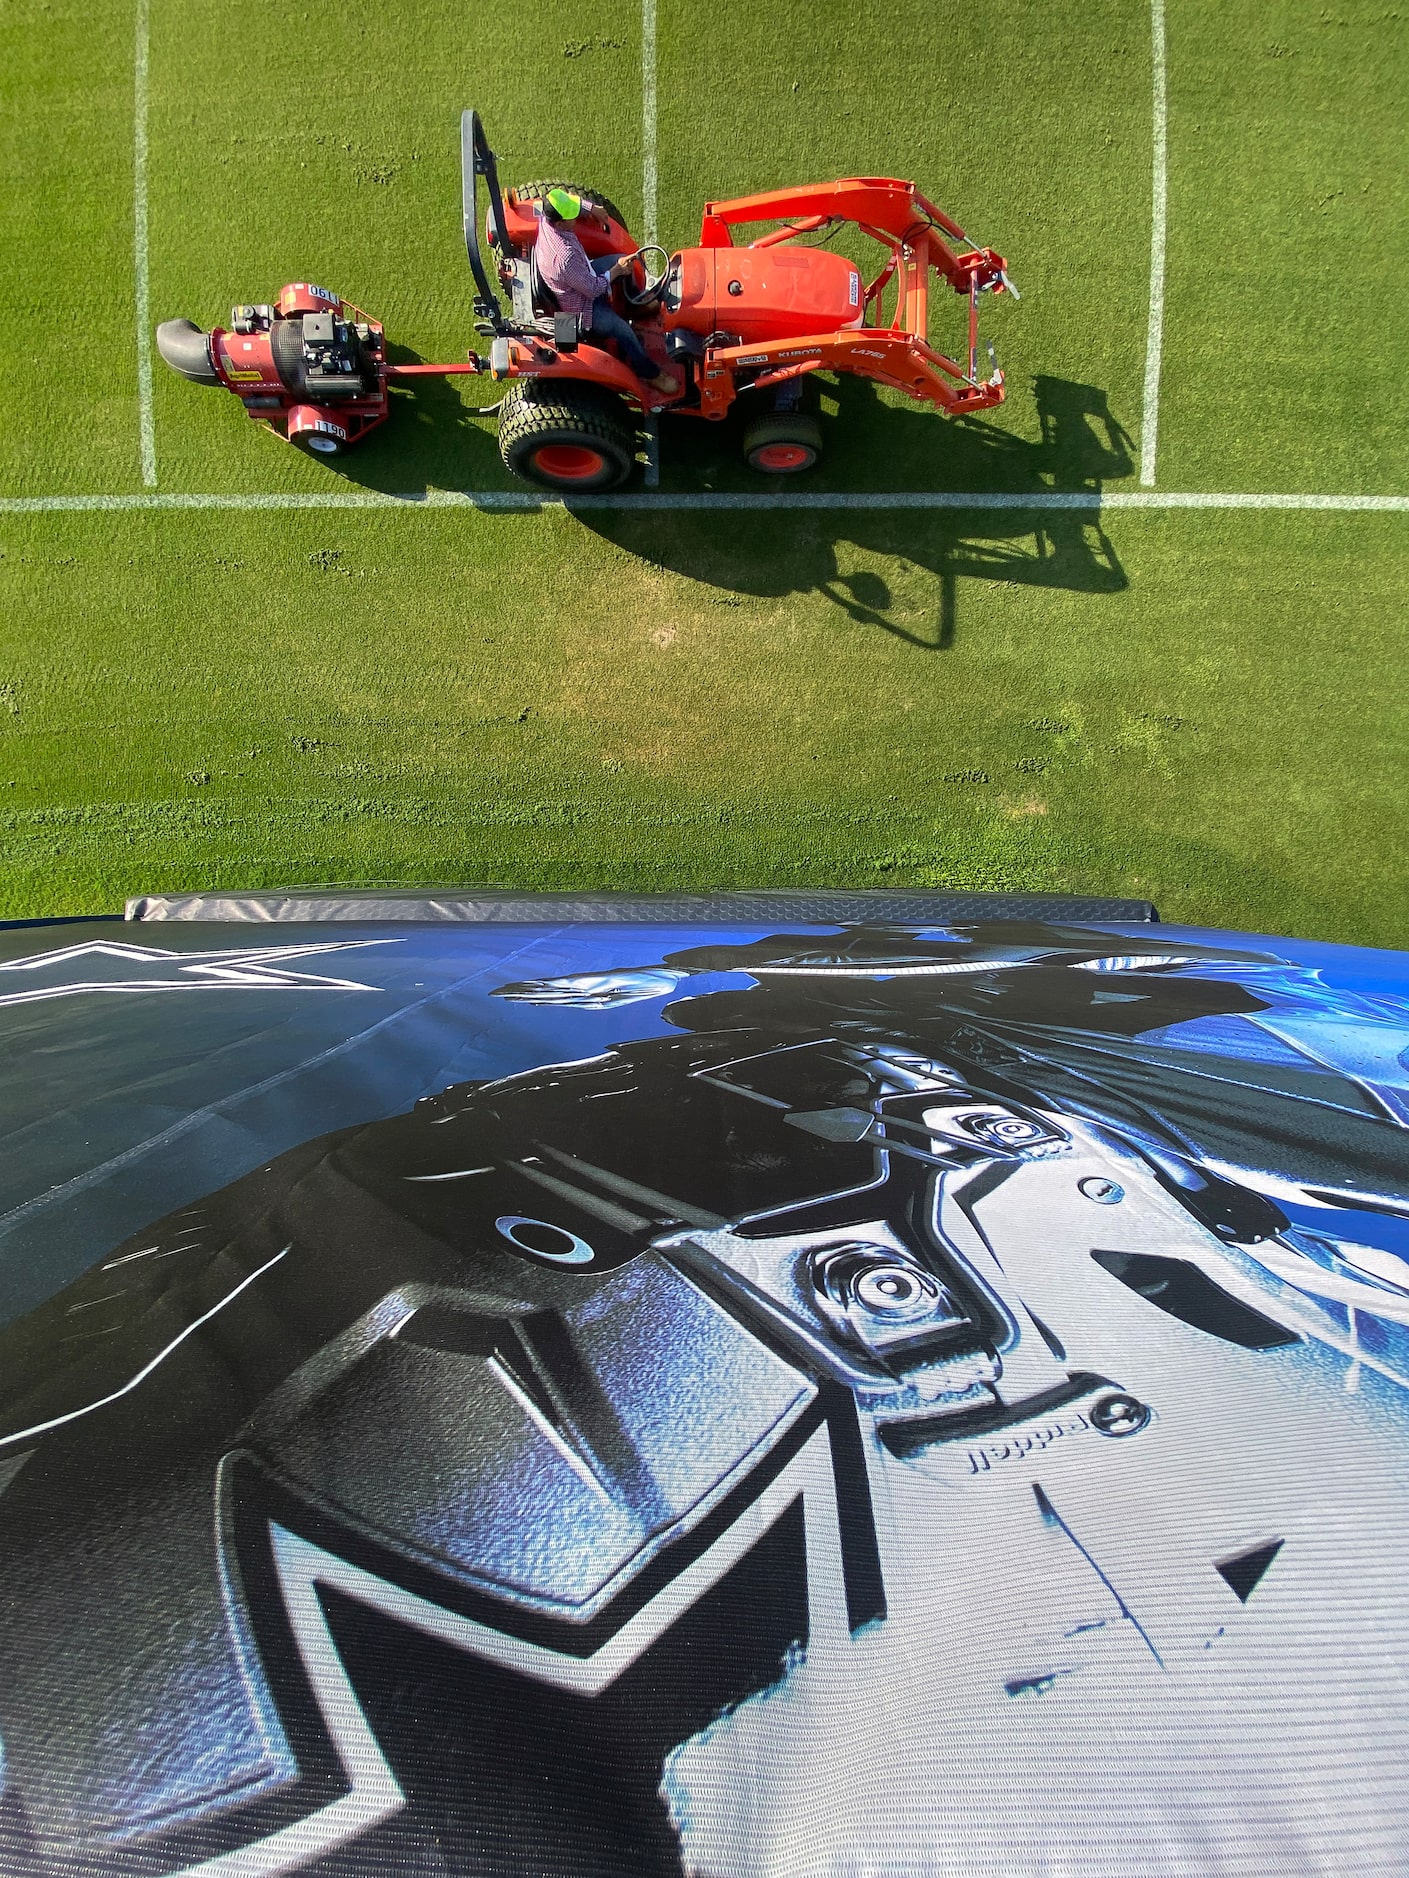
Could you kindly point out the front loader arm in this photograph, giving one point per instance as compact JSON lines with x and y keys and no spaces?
{"x":885,"y":207}
{"x":888,"y":355}
{"x":883,"y":201}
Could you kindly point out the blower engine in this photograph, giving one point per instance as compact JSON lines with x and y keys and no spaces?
{"x":312,"y":364}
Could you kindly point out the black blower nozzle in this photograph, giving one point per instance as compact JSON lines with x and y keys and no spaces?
{"x":186,"y":349}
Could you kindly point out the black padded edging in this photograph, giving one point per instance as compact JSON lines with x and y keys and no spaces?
{"x":62,"y":919}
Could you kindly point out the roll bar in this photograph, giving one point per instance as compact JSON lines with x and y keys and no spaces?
{"x":476,"y":160}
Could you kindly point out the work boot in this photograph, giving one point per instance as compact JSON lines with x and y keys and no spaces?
{"x":665,"y":384}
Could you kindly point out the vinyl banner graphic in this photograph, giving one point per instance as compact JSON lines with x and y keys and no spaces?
{"x":609,"y":1401}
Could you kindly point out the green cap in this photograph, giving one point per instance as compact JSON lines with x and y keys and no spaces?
{"x":565,"y":203}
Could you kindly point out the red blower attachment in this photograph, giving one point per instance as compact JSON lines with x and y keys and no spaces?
{"x":312,"y":365}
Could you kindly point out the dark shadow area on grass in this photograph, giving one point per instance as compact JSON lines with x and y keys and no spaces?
{"x":431,"y":439}
{"x":770,"y":554}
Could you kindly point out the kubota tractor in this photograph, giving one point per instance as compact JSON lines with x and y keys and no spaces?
{"x":724,"y":320}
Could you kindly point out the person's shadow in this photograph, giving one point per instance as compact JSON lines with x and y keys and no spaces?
{"x":1080,"y":447}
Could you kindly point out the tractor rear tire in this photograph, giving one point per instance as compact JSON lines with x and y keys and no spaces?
{"x":535,"y":192}
{"x":565,"y":435}
{"x":783,"y":443}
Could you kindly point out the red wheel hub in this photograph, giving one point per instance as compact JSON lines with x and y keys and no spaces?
{"x":569,"y":462}
{"x":782,"y":456}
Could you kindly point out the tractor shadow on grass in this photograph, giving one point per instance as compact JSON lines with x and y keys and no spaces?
{"x":1080,"y":447}
{"x":432,"y":440}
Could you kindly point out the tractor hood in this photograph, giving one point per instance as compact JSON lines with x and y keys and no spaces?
{"x":762,"y":293}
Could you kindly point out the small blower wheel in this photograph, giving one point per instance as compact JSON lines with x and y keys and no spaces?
{"x":783,"y":443}
{"x":562,"y":434}
{"x":316,"y":443}
{"x":309,"y":431}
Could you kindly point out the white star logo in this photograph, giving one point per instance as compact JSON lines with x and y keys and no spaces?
{"x":112,"y":965}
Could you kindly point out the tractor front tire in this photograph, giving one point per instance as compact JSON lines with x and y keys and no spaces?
{"x":565,"y":435}
{"x":783,"y":443}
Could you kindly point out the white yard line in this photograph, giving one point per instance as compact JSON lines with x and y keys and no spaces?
{"x":648,"y":117}
{"x":146,"y":425}
{"x":1154,"y":338}
{"x":514,"y":502}
{"x":651,"y":478}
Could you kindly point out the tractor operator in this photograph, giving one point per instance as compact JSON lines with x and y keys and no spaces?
{"x":583,"y":286}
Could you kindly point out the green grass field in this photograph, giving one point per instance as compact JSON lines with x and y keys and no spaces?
{"x":1202,"y":706}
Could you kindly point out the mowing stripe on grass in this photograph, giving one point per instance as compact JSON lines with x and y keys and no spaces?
{"x":1154,"y":338}
{"x":146,"y":425}
{"x":648,"y":117}
{"x":514,"y":502}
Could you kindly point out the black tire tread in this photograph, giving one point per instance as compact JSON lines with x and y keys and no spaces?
{"x":535,"y":192}
{"x":783,"y":427}
{"x":532,"y":408}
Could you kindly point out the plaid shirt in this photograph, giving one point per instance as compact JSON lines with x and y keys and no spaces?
{"x":564,"y":269}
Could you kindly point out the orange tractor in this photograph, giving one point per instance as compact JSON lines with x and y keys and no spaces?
{"x":724,"y":321}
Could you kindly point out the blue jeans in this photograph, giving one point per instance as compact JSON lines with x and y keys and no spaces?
{"x":607,"y":323}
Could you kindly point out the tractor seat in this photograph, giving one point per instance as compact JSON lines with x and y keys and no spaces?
{"x":542,"y":297}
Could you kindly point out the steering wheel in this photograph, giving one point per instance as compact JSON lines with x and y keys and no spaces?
{"x":654,"y":286}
